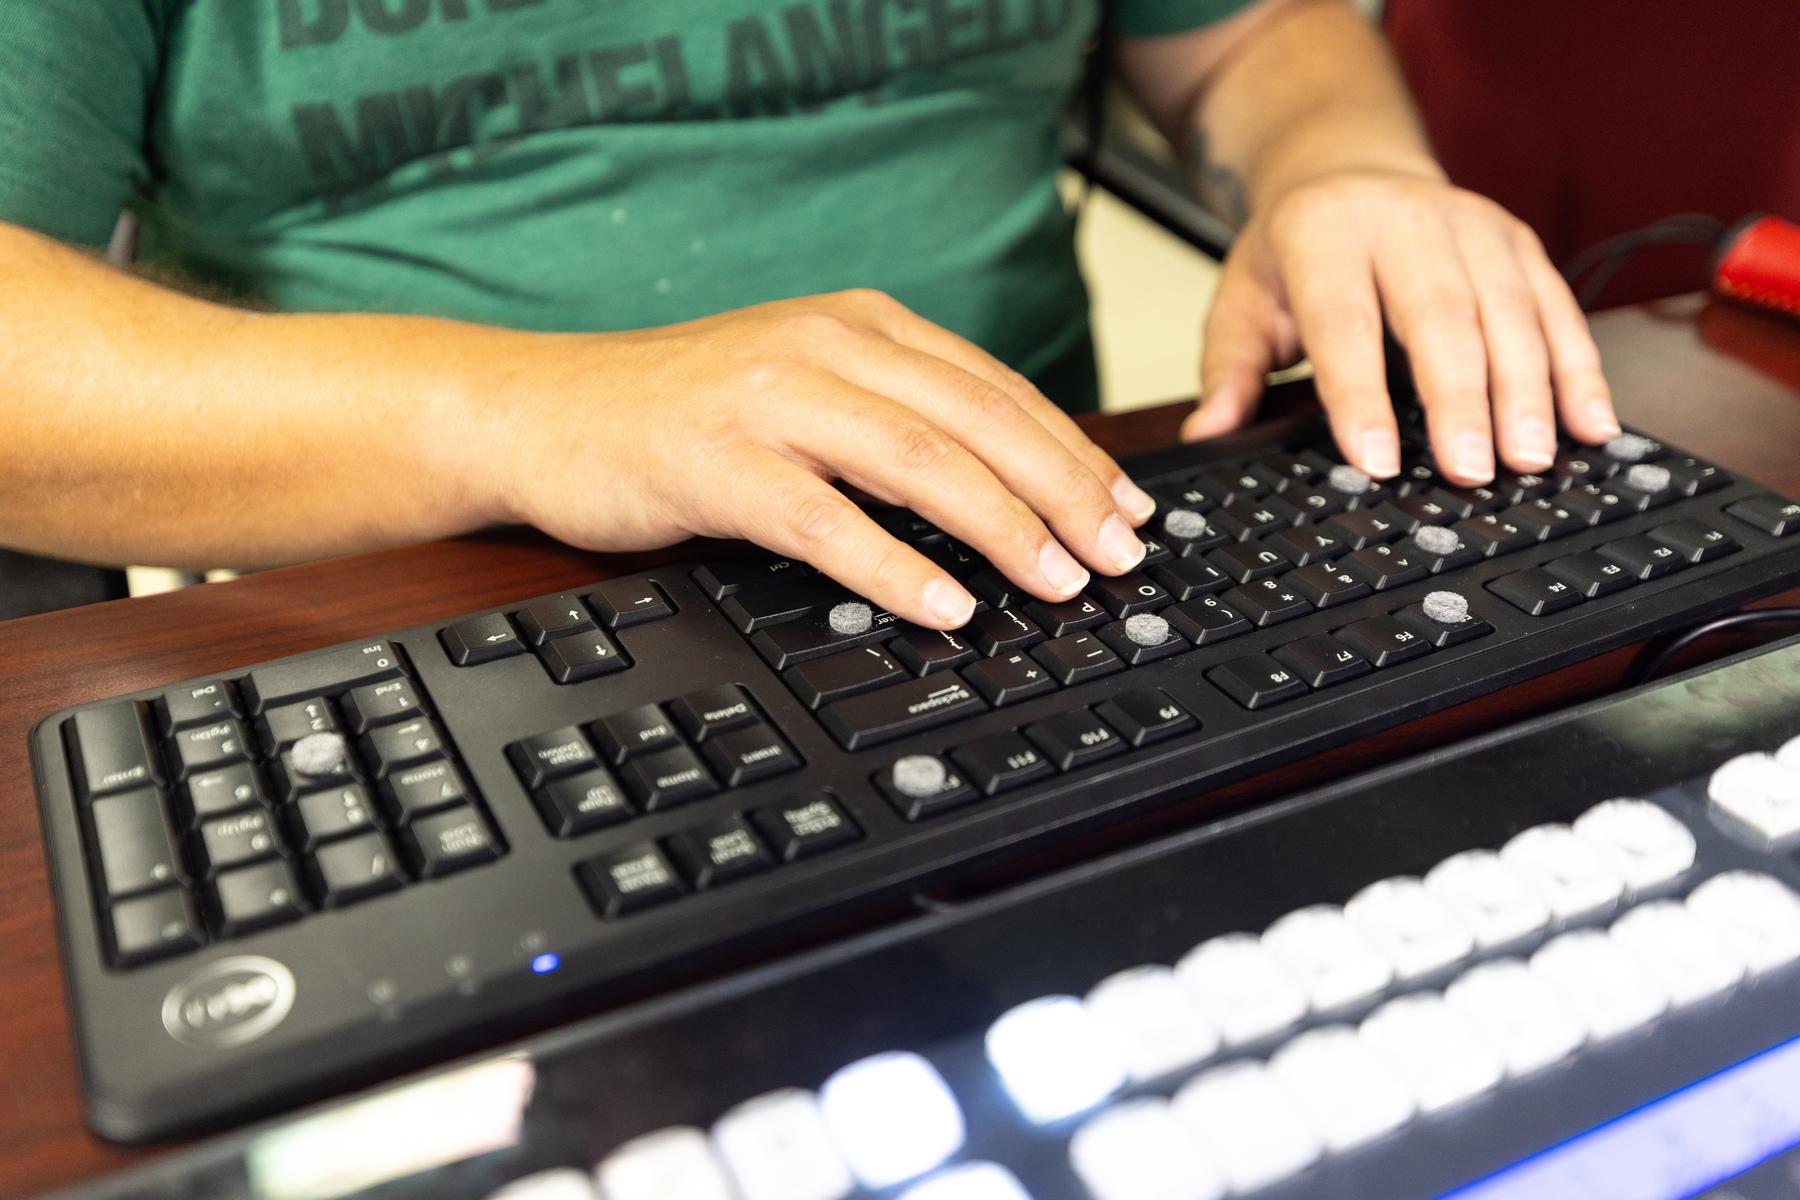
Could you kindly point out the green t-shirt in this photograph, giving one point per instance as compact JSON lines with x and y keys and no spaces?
{"x":572,"y":164}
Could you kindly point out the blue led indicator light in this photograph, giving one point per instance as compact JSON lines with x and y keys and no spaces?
{"x":543,"y":964}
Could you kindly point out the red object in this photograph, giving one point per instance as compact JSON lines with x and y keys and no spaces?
{"x":1760,"y":264}
{"x":1598,"y":117}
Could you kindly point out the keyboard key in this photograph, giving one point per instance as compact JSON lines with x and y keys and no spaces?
{"x":630,"y":879}
{"x":1497,"y":901}
{"x":1330,"y":957}
{"x":354,"y":869}
{"x":1145,"y":715}
{"x":1469,"y":501}
{"x":381,"y":704}
{"x":1223,"y":485}
{"x":1645,"y":842}
{"x":776,"y":1147}
{"x":212,"y":793}
{"x":199,"y":704}
{"x":1001,"y":631}
{"x":283,"y":726}
{"x":1643,"y":557}
{"x":1156,"y":1025}
{"x":826,"y":679}
{"x":579,"y":656}
{"x":1492,"y":535}
{"x":622,"y":603}
{"x":1759,"y":793}
{"x":1257,"y":681}
{"x":321,"y":817}
{"x":1001,"y":761}
{"x":924,"y":651}
{"x":135,"y":843}
{"x":1118,"y":639}
{"x":1571,"y":874}
{"x":1686,"y":957}
{"x":155,"y":926}
{"x":1306,"y":546}
{"x":553,"y":617}
{"x":1067,"y":616}
{"x":724,"y":576}
{"x":578,"y":804}
{"x":805,"y":824}
{"x":1315,"y":504}
{"x":235,"y":840}
{"x":1207,"y":620}
{"x":1074,"y":740}
{"x":288,"y":781}
{"x":481,"y":639}
{"x":1524,"y":487}
{"x":782,"y":600}
{"x":1268,"y":602}
{"x":1249,"y":561}
{"x":1325,"y":584}
{"x":1424,"y":510}
{"x":893,"y":1117}
{"x":1440,"y":1058}
{"x":666,"y":779}
{"x":1756,"y":914}
{"x":561,"y":1183}
{"x":1694,"y":541}
{"x":1417,"y":930}
{"x":449,"y":841}
{"x":427,"y":787}
{"x":713,"y":710}
{"x":1077,"y":658}
{"x":1190,"y":577}
{"x":1345,"y":1092}
{"x":1383,"y":567}
{"x":1516,"y":1012}
{"x":1253,"y":518}
{"x":1137,"y":1150}
{"x":394,"y":746}
{"x":743,"y":756}
{"x":719,"y":851}
{"x":1774,"y":515}
{"x":257,"y":897}
{"x":1321,"y":660}
{"x":1545,"y":519}
{"x":1442,"y":633}
{"x":670,"y":1164}
{"x":1244,"y":990}
{"x":1054,"y":1059}
{"x":205,"y":747}
{"x":1579,"y":466}
{"x":1246,"y":1124}
{"x":1691,"y":477}
{"x":1535,"y":592}
{"x":1360,"y":530}
{"x":895,"y":712}
{"x":639,"y":730}
{"x":812,"y":637}
{"x":1010,"y":679}
{"x":1590,"y":575}
{"x":317,"y":674}
{"x":996,"y":589}
{"x":547,"y":755}
{"x":1129,"y":594}
{"x":1208,"y":534}
{"x":1596,"y":504}
{"x":1384,"y":641}
{"x":1603,"y":985}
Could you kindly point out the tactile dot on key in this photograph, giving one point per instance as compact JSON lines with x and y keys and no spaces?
{"x":1789,"y":754}
{"x":1435,"y":539}
{"x":1246,"y":1125}
{"x":969,"y":1181}
{"x":1436,"y":1052}
{"x":1332,"y":959}
{"x":1517,"y":1013}
{"x":1570,"y":872}
{"x":1499,"y":902}
{"x":1417,"y":930}
{"x":319,"y":754}
{"x":920,"y":775}
{"x":1347,"y":479}
{"x":1184,"y":523}
{"x":565,"y":1183}
{"x":1645,"y":842}
{"x":1157,"y":1025}
{"x":1647,"y":477}
{"x":1138,"y":1150}
{"x":850,"y":618}
{"x":1147,"y":629}
{"x":1628,"y":447}
{"x":1446,"y":608}
{"x":1604,"y":985}
{"x":1758,"y":913}
{"x":893,"y":1117}
{"x":777,"y":1147}
{"x":670,"y":1164}
{"x":1759,"y":792}
{"x":1054,"y":1058}
{"x":1350,"y":1096}
{"x":1687,"y":957}
{"x":1242,"y":988}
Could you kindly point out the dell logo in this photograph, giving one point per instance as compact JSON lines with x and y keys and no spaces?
{"x":229,"y":1002}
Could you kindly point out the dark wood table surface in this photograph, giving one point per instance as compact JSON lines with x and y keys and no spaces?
{"x":1719,"y":380}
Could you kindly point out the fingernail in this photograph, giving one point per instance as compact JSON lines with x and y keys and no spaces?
{"x":1605,"y":422}
{"x":1120,"y":546}
{"x":1380,"y":454}
{"x":1536,"y":443}
{"x":948,"y":602}
{"x":1475,"y":456}
{"x":1132,"y":500}
{"x":1060,"y":570}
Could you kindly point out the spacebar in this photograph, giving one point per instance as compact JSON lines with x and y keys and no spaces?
{"x":327,"y":671}
{"x":876,"y":717}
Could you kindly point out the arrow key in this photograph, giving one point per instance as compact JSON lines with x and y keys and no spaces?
{"x":553,"y":616}
{"x":395,"y":746}
{"x":480,"y":639}
{"x":623,"y":602}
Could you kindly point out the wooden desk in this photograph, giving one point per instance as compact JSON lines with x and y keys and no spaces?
{"x":1719,"y":380}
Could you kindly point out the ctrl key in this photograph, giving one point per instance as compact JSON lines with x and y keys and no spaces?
{"x":154,"y":926}
{"x":631,"y":878}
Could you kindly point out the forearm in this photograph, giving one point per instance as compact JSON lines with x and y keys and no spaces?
{"x":142,"y":425}
{"x":1315,"y":90}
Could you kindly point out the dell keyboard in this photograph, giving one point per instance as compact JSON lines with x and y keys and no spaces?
{"x":313,"y":872}
{"x":1559,"y":961}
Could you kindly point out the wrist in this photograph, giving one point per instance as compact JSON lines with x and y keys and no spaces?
{"x":1328,"y":148}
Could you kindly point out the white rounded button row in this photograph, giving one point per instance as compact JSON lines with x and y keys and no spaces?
{"x":1761,"y":793}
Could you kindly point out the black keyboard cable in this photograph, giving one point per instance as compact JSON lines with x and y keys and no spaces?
{"x":1653,"y":657}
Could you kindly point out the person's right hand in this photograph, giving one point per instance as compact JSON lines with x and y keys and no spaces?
{"x":734,"y":426}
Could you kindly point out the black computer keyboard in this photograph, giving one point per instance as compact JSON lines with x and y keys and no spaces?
{"x":314,"y":871}
{"x":1560,"y":961}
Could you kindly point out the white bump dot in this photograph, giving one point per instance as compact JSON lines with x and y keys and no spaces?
{"x":1147,"y":629}
{"x":1184,"y":523}
{"x":319,"y":754}
{"x":1647,"y":477}
{"x":1629,"y":447}
{"x":1435,"y":539}
{"x":1347,"y":479}
{"x":850,"y":618}
{"x":920,"y":775}
{"x":1446,"y":608}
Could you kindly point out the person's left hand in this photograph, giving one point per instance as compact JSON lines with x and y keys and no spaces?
{"x":1498,"y":346}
